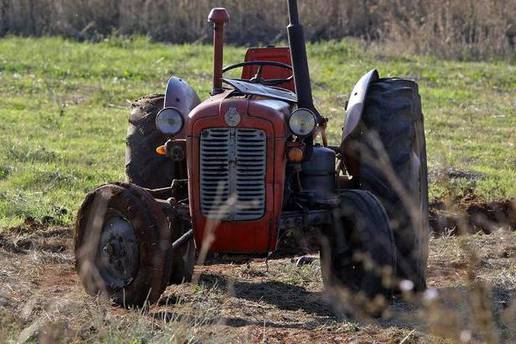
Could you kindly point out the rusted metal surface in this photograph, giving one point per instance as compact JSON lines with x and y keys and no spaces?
{"x":254,"y":236}
{"x":219,"y":17}
{"x":276,"y":54}
{"x":149,"y":226}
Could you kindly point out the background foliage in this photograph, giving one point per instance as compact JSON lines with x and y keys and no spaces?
{"x":469,"y":29}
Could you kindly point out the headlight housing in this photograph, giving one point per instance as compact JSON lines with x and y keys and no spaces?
{"x":170,"y":121}
{"x":302,"y":122}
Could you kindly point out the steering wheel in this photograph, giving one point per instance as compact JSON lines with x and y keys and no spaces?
{"x":257,"y":78}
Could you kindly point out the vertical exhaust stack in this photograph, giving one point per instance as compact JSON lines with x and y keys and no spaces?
{"x":219,"y":17}
{"x":296,"y":39}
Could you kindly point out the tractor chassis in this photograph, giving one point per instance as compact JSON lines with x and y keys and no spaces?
{"x":294,"y":220}
{"x":174,"y":202}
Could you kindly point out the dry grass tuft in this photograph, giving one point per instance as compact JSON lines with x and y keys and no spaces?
{"x":470,"y":300}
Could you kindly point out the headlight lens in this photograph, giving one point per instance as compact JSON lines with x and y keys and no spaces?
{"x":169,"y":121}
{"x":302,"y":122}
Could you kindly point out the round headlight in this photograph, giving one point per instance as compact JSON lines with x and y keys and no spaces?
{"x":169,"y":121}
{"x":302,"y":122}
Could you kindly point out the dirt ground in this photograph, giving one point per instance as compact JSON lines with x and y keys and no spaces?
{"x":472,"y":280}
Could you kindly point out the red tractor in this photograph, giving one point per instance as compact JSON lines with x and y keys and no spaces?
{"x":236,"y":172}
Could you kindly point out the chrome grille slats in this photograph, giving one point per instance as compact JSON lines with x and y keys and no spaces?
{"x":250,"y":173}
{"x":233,"y":163}
{"x":214,"y":168}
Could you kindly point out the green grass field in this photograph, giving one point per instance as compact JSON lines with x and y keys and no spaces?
{"x":64,"y":108}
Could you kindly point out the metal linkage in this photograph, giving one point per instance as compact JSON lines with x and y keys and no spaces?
{"x":182,"y":240}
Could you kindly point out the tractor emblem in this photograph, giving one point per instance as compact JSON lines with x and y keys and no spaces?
{"x":232,"y":117}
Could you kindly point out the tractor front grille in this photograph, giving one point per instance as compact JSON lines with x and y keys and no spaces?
{"x":233,"y":173}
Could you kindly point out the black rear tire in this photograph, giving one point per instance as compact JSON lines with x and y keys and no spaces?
{"x":393,"y":119}
{"x":143,"y":166}
{"x":358,"y":251}
{"x":147,"y":270}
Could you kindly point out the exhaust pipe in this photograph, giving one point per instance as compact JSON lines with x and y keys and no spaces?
{"x":218,"y":17}
{"x":296,"y":39}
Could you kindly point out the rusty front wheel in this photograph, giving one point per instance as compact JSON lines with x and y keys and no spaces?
{"x":122,"y":243}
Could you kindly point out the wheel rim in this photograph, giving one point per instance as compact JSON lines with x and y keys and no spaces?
{"x":118,"y":253}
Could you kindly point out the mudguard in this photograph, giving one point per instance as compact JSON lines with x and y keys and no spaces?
{"x":181,"y":96}
{"x":356,"y":104}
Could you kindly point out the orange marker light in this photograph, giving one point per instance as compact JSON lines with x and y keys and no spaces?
{"x":295,"y":154}
{"x":161,"y":150}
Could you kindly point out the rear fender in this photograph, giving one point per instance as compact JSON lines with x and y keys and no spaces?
{"x":356,"y":104}
{"x":181,"y":96}
{"x":354,"y":111}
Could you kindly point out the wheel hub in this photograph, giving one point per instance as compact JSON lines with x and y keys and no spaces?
{"x":118,"y":254}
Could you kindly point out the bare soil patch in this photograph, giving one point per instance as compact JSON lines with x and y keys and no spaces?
{"x":471,"y":215}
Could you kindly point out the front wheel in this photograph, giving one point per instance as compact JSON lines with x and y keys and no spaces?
{"x":358,"y":252}
{"x":122,"y":242}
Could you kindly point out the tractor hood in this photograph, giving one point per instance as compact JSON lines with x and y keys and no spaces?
{"x":230,"y":110}
{"x":219,"y":129}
